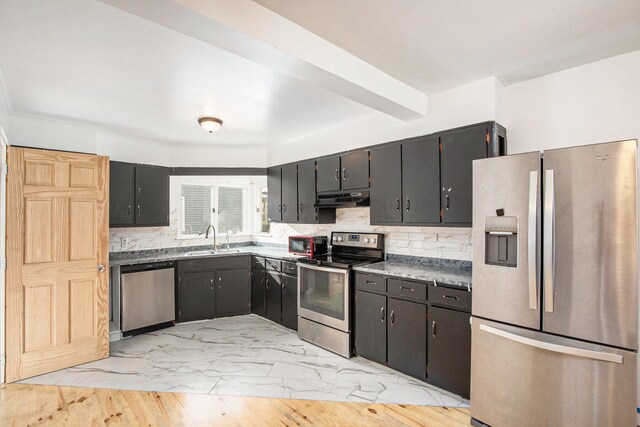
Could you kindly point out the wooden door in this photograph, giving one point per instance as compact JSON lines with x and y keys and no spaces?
{"x":421,"y":180}
{"x":386,"y":185}
{"x":57,"y":276}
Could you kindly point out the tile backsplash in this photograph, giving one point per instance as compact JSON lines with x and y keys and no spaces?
{"x":434,"y":242}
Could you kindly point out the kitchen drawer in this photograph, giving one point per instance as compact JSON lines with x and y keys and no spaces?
{"x":449,"y":297}
{"x":273,"y":264}
{"x":214,"y":263}
{"x":371,"y":283}
{"x":257,"y":262}
{"x":407,"y":289}
{"x":290,"y":268}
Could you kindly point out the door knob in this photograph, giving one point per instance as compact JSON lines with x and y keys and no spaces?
{"x":101,"y":268}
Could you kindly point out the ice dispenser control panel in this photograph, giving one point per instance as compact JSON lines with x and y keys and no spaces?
{"x":501,"y":241}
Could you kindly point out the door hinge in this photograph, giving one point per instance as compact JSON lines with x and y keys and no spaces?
{"x":3,"y":263}
{"x":441,"y":213}
{"x":4,"y":169}
{"x":441,"y":147}
{"x":488,"y":137}
{"x":426,"y":370}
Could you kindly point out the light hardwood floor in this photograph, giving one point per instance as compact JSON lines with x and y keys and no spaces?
{"x":26,"y":404}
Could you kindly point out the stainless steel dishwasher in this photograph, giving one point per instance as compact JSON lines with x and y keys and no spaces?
{"x":147,"y":297}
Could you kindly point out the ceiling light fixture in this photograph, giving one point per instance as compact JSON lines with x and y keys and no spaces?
{"x":210,"y":124}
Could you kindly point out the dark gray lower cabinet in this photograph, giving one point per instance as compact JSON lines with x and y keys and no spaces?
{"x":195,"y":296}
{"x":234,"y":292}
{"x":290,"y":301}
{"x":258,"y":295}
{"x":274,"y":296}
{"x":213,"y":287}
{"x":407,"y":337}
{"x":371,"y":326}
{"x":449,"y":343}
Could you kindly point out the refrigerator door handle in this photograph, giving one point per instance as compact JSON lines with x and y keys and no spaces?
{"x":532,"y":240}
{"x":549,"y":240}
{"x":556,"y":348}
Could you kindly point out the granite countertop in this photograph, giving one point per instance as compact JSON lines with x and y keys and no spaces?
{"x":443,"y":275}
{"x":172,"y":254}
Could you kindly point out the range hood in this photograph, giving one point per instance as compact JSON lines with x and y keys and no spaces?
{"x":343,"y":199}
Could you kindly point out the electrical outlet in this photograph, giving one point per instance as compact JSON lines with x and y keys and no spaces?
{"x":124,"y":242}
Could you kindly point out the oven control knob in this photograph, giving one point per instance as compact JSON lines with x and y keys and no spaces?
{"x":373,"y":240}
{"x":366,"y":240}
{"x":339,"y":239}
{"x":334,"y":238}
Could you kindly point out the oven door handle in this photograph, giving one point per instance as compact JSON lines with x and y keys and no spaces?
{"x":323,"y":268}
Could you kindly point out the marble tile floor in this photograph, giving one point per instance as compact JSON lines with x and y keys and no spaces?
{"x":245,"y":356}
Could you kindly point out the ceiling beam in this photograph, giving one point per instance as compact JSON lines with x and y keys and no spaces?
{"x":252,"y":31}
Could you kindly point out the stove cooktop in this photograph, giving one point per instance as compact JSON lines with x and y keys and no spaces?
{"x":339,"y":261}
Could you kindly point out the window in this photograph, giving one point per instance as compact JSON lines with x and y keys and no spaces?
{"x":230,"y":204}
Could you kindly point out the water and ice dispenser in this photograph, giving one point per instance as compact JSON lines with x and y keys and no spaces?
{"x":501,"y":240}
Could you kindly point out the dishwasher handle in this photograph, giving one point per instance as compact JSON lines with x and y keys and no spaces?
{"x":147,"y":267}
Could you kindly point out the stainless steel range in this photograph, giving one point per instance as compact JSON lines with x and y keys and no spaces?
{"x":325,"y":289}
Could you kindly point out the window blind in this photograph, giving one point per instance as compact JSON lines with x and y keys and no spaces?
{"x":230,"y":209}
{"x":197,"y":208}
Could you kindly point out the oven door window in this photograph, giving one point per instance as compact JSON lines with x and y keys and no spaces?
{"x":323,"y":292}
{"x":299,"y":245}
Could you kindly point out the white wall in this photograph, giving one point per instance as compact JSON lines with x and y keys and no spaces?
{"x":593,"y":103}
{"x":472,"y":103}
{"x":5,"y":106}
{"x":62,"y":135}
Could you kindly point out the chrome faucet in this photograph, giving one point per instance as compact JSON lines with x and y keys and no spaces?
{"x":206,"y":236}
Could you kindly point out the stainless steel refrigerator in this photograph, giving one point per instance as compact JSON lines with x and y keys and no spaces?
{"x":555,"y":288}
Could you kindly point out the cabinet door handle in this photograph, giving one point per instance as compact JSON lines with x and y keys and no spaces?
{"x":279,"y":208}
{"x":393,"y":317}
{"x":337,"y":174}
{"x":284,"y":207}
{"x":284,"y":289}
{"x":382,"y":314}
{"x":220,"y":282}
{"x":129,"y":210}
{"x":451,"y":297}
{"x":446,"y":201}
{"x":211,"y":282}
{"x":344,"y":174}
{"x":408,"y":204}
{"x":369,"y":282}
{"x":397,"y":204}
{"x":300,"y":207}
{"x":404,"y":288}
{"x":266,"y":284}
{"x":139,"y":210}
{"x":433,"y":329}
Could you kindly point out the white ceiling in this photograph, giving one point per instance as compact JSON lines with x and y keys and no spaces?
{"x":434,"y":45}
{"x":87,"y":61}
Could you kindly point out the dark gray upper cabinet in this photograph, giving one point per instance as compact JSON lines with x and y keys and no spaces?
{"x":407,"y":337}
{"x":459,"y":149}
{"x":421,"y":180}
{"x":329,"y":173}
{"x":386,"y":184}
{"x":371,"y":326}
{"x":138,"y":195}
{"x":290,"y":301}
{"x":122,"y":194}
{"x":355,"y":170}
{"x":449,"y":344}
{"x":233,"y":296}
{"x":289,"y":193}
{"x":152,"y":196}
{"x":274,"y":189}
{"x":306,"y":192}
